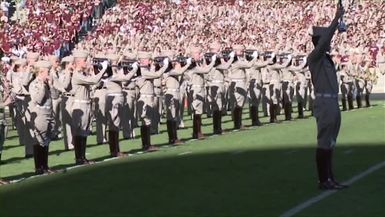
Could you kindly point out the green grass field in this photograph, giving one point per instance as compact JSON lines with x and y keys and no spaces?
{"x":261,"y":171}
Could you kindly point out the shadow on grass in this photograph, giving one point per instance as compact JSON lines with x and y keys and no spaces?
{"x":232,"y":183}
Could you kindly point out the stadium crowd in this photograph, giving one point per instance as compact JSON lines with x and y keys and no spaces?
{"x":127,"y":66}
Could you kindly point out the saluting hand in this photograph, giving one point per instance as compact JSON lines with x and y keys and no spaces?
{"x":340,"y":12}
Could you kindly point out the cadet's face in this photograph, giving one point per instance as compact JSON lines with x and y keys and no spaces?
{"x":144,"y":61}
{"x":196,"y":55}
{"x":239,"y":52}
{"x":44,"y":73}
{"x":80,"y":62}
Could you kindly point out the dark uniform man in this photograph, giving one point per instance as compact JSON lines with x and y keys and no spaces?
{"x":326,"y":108}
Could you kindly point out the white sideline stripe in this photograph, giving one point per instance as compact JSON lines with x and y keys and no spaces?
{"x":295,"y":210}
{"x":184,"y":153}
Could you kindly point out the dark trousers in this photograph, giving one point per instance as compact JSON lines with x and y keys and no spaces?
{"x":328,"y":117}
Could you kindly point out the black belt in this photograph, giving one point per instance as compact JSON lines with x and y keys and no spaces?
{"x":129,"y":88}
{"x":22,"y":95}
{"x":326,"y":95}
{"x":68,"y":94}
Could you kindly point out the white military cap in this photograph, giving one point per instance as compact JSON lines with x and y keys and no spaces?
{"x":129,"y":55}
{"x":21,"y":62}
{"x":67,"y":59}
{"x":144,"y":55}
{"x":43,"y":64}
{"x":113,"y":57}
{"x":33,"y":55}
{"x":168,"y":53}
{"x":238,"y":47}
{"x":80,"y":54}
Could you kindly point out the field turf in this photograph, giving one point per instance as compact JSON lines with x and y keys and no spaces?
{"x":261,"y":171}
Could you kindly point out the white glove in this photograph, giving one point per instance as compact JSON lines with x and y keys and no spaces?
{"x":255,"y":54}
{"x":189,"y":61}
{"x":214,"y":58}
{"x":135,"y":65}
{"x":232,"y":54}
{"x":104,"y":65}
{"x":166,"y":61}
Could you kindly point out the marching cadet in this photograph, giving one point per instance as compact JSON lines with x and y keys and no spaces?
{"x":370,"y":80}
{"x":41,"y":115}
{"x":266,"y":77}
{"x":158,"y":105}
{"x":4,"y":101}
{"x":349,"y":82}
{"x":343,"y":76}
{"x":63,"y":84}
{"x":183,"y":97}
{"x":275,"y":88}
{"x":299,"y":67}
{"x":309,"y":93}
{"x":100,"y":93}
{"x":237,"y":77}
{"x":146,"y":97}
{"x":172,"y":96}
{"x":216,"y":93}
{"x":20,"y":86}
{"x":197,"y":91}
{"x":287,"y":89}
{"x":82,"y":79}
{"x":114,"y":102}
{"x":254,"y":77}
{"x":56,"y":98}
{"x":129,"y":106}
{"x":361,"y":67}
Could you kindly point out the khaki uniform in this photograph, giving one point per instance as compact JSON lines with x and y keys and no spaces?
{"x":157,"y":105}
{"x":63,"y":84}
{"x":287,"y":91}
{"x":360,"y":82}
{"x":81,"y":108}
{"x":56,"y":104}
{"x":129,"y":109}
{"x":114,"y":107}
{"x":23,"y":116}
{"x":172,"y":101}
{"x":275,"y":91}
{"x":309,"y":93}
{"x":254,"y":77}
{"x":197,"y":94}
{"x":300,"y":83}
{"x":41,"y":112}
{"x":348,"y":86}
{"x":266,"y":77}
{"x":100,"y":95}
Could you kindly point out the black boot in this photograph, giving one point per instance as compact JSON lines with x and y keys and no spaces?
{"x":199,"y":127}
{"x":83,"y":148}
{"x":237,"y":125}
{"x":350,"y":102}
{"x":113,"y":142}
{"x":329,"y":157}
{"x":367,"y":100}
{"x":150,"y":147}
{"x":175,"y":133}
{"x":143,"y":137}
{"x":273,"y":113}
{"x":195,"y":127}
{"x":170,"y":132}
{"x":45,"y":161}
{"x":300,"y":110}
{"x":254,"y":116}
{"x":343,"y":104}
{"x":77,"y":150}
{"x":359,"y":101}
{"x":1,"y":162}
{"x":217,"y":122}
{"x":287,"y":110}
{"x":321,"y":160}
{"x":38,"y":159}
